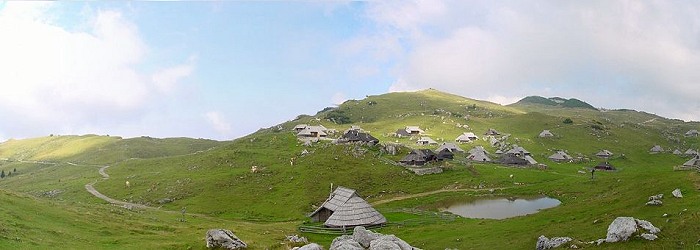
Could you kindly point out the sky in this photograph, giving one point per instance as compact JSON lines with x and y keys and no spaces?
{"x":224,"y":69}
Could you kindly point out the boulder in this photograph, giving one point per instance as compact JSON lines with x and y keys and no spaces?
{"x":224,"y":239}
{"x":345,"y":242}
{"x":364,"y":236}
{"x":296,"y":239}
{"x":649,"y":236}
{"x":312,"y":246}
{"x":656,"y":197}
{"x":546,"y":243}
{"x":654,"y":203}
{"x":647,"y":226}
{"x":389,"y":242}
{"x":621,"y":229}
{"x":677,"y":193}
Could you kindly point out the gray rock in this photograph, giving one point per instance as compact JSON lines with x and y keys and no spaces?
{"x":345,"y":242}
{"x":656,"y":197}
{"x":312,"y":246}
{"x":654,"y":203}
{"x":649,"y":236}
{"x":296,"y":239}
{"x":546,"y":243}
{"x":647,"y":226}
{"x":223,"y":238}
{"x":389,"y":242}
{"x":364,"y":236}
{"x":621,"y":229}
{"x":677,"y":193}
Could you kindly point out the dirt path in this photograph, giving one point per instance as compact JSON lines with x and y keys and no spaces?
{"x":97,"y":194}
{"x":102,"y":172}
{"x":409,"y":196}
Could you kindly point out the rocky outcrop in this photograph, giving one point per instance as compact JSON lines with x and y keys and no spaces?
{"x":312,"y":246}
{"x":546,"y":243}
{"x":224,"y":239}
{"x":345,"y":242}
{"x":363,"y":239}
{"x":677,"y":193}
{"x":655,"y":200}
{"x":622,"y":228}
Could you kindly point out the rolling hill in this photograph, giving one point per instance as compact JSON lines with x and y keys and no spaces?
{"x":214,"y":179}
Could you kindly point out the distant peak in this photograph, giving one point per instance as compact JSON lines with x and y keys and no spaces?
{"x":556,"y":101}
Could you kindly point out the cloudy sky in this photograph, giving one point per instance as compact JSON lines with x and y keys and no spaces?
{"x":224,"y":69}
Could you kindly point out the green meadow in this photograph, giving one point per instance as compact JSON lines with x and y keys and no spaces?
{"x":45,"y":204}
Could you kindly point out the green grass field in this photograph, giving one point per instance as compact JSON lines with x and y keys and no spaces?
{"x":213,"y":180}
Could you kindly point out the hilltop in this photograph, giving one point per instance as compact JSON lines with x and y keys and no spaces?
{"x":555,"y":101}
{"x":217,"y":181}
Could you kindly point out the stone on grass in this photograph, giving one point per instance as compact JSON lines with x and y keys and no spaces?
{"x":649,"y":236}
{"x":364,"y":236}
{"x":654,"y":203}
{"x":224,"y":239}
{"x":312,"y":246}
{"x":546,"y":243}
{"x":345,"y":242}
{"x":677,"y":193}
{"x":389,"y":242}
{"x":656,"y":197}
{"x":621,"y":229}
{"x":647,"y":226}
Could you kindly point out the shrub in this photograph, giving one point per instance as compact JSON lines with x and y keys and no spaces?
{"x":568,"y":121}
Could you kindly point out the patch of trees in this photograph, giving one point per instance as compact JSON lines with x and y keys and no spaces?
{"x":568,"y":121}
{"x":338,"y":117}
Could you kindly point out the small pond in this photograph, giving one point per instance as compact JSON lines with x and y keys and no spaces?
{"x":501,"y":208}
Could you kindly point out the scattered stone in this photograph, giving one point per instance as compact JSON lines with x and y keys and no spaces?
{"x":649,"y":236}
{"x":364,"y":236}
{"x":546,"y":243}
{"x":654,"y":203}
{"x":296,"y":239}
{"x":656,"y":197}
{"x":312,"y":246}
{"x":596,"y":221}
{"x":574,"y":246}
{"x":223,"y":238}
{"x":345,"y":242}
{"x":665,"y":215}
{"x":387,"y":242}
{"x":621,"y":229}
{"x":677,"y":193}
{"x":647,"y":226}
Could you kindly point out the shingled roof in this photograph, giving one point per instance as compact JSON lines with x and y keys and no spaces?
{"x":355,"y":212}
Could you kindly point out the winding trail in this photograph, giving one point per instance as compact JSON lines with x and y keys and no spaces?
{"x":409,"y":196}
{"x":91,"y":189}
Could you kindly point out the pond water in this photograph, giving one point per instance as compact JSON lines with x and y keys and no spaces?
{"x":501,"y":208}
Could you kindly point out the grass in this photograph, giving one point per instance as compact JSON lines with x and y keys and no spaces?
{"x":218,"y":184}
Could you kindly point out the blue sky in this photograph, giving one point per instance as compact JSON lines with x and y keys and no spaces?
{"x":224,"y":69}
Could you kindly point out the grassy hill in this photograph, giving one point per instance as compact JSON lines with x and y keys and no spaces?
{"x":218,"y":183}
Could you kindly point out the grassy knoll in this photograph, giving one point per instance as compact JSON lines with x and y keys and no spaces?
{"x":218,"y":183}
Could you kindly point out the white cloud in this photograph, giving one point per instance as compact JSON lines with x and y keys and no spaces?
{"x":503,"y":100}
{"x":338,"y":98}
{"x":589,"y":50}
{"x":166,"y":79}
{"x":218,"y":122}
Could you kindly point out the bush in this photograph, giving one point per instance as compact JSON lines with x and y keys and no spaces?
{"x":338,"y":117}
{"x":568,"y":121}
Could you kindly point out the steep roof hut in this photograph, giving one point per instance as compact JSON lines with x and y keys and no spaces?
{"x":299,"y":127}
{"x":690,"y":152}
{"x":604,"y":166}
{"x":694,"y":162}
{"x":656,"y":149}
{"x":512,"y":159}
{"x":426,"y":141}
{"x":492,"y":132}
{"x":445,"y":154}
{"x":414,"y":130}
{"x":402,"y":133}
{"x":677,"y":152}
{"x":692,"y":133}
{"x":357,"y":136}
{"x":518,"y":150}
{"x":449,"y":146}
{"x":466,"y":137}
{"x":560,"y":156}
{"x":546,"y":133}
{"x":477,"y":149}
{"x":337,"y":198}
{"x":498,"y":151}
{"x":419,"y":157}
{"x":313,"y":131}
{"x":479,"y":156}
{"x":604,"y":153}
{"x":355,"y":212}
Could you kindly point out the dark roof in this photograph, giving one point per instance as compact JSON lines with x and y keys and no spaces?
{"x":419,"y":156}
{"x":604,"y":166}
{"x":357,"y":136}
{"x":402,"y":132}
{"x":445,"y":154}
{"x":512,"y":159}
